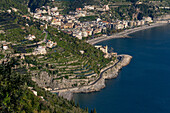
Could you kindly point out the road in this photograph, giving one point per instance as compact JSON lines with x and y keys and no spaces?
{"x":124,"y":34}
{"x":120,"y":58}
{"x":101,"y":74}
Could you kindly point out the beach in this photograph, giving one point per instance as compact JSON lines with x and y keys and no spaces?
{"x":125,"y":33}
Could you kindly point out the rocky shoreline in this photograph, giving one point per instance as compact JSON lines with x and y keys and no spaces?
{"x":109,"y":73}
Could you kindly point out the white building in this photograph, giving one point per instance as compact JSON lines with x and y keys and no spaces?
{"x":106,"y":7}
{"x":9,"y":11}
{"x":30,"y":37}
{"x":103,"y":49}
{"x":51,"y":44}
{"x":5,"y":47}
{"x":81,"y":51}
{"x":89,"y":7}
{"x":54,"y":9}
{"x":14,"y":9}
{"x":148,"y":19}
{"x":40,"y":50}
{"x":119,"y":26}
{"x":34,"y":92}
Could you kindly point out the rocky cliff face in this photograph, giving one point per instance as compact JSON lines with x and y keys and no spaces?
{"x":100,"y":84}
{"x":43,"y":79}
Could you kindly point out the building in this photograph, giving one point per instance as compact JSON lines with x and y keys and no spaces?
{"x":14,"y":9}
{"x":103,"y":49}
{"x":148,"y":19}
{"x":68,"y":25}
{"x":106,"y":7}
{"x":51,"y":44}
{"x":81,"y":51}
{"x":34,"y":92}
{"x":5,"y":47}
{"x":89,"y":7}
{"x":54,"y":9}
{"x":40,"y":50}
{"x":56,"y":22}
{"x":119,"y":26}
{"x":30,"y":37}
{"x":9,"y":11}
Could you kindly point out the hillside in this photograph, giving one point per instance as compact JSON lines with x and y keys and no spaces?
{"x":22,"y":5}
{"x":19,"y":94}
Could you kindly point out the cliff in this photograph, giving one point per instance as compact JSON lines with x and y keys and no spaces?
{"x":109,"y":73}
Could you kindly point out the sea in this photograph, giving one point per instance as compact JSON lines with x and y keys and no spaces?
{"x":143,"y":86}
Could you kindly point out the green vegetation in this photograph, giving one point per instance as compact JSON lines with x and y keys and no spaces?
{"x":15,"y":28}
{"x":88,"y":18}
{"x":16,"y":97}
{"x":33,"y":4}
{"x":19,"y":4}
{"x":73,"y":45}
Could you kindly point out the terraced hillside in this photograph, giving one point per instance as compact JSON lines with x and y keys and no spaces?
{"x":70,"y":63}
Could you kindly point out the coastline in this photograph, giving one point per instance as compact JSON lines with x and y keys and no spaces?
{"x":106,"y":73}
{"x":124,"y":34}
{"x":109,"y":72}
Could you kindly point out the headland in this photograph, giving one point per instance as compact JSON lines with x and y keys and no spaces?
{"x":108,"y":72}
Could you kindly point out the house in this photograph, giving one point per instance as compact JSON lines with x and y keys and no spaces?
{"x":78,"y":9}
{"x":55,"y":13}
{"x":38,"y":11}
{"x":40,"y":50}
{"x":103,"y":49}
{"x":68,"y":25}
{"x":89,"y":7}
{"x":81,"y":51}
{"x":14,"y":9}
{"x":2,"y":32}
{"x":98,"y":19}
{"x":119,"y":26}
{"x":97,"y":30}
{"x":30,"y":37}
{"x":44,"y":11}
{"x":78,"y":35}
{"x":130,"y":24}
{"x":56,"y":22}
{"x":34,"y":92}
{"x":41,"y":97}
{"x":105,"y":22}
{"x":125,"y":23}
{"x":106,"y":7}
{"x":148,"y":19}
{"x":84,"y":34}
{"x":142,"y":22}
{"x":51,"y":44}
{"x":9,"y":11}
{"x":54,"y":9}
{"x":100,"y":9}
{"x":5,"y":47}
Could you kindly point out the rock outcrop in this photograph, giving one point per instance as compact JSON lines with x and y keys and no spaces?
{"x":111,"y":72}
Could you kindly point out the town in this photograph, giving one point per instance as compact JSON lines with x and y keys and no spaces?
{"x":51,"y":49}
{"x":42,"y":52}
{"x":83,"y":22}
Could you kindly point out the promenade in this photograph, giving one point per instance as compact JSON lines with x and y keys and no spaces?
{"x":124,"y":34}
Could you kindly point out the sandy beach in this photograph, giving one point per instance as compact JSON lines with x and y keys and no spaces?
{"x":125,"y":33}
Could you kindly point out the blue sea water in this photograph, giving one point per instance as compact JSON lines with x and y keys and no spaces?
{"x":144,"y":85}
